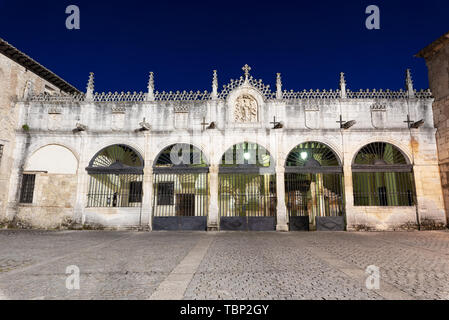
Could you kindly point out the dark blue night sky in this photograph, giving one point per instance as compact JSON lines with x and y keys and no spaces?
{"x":309,"y":42}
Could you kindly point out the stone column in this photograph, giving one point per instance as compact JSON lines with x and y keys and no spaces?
{"x":147,"y":185}
{"x":281,"y":209}
{"x":83,"y":181}
{"x":212,"y":222}
{"x":430,"y":208}
{"x":350,"y":213}
{"x":147,"y":189}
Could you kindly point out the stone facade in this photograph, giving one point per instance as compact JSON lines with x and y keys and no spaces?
{"x":437,"y":60}
{"x":243,"y":111}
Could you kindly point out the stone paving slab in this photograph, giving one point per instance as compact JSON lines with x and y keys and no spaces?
{"x":223,"y":265}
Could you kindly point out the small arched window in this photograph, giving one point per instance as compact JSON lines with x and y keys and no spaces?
{"x":382,"y":176}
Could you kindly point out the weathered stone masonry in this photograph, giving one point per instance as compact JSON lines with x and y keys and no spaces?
{"x":437,"y":60}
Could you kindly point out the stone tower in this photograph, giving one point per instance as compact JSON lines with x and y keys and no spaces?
{"x":437,"y":59}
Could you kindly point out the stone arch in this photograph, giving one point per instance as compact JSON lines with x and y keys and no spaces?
{"x":169,"y":145}
{"x":111,"y":142}
{"x":237,"y":140}
{"x":54,"y":159}
{"x":257,"y":162}
{"x":398,"y":145}
{"x":292,"y":145}
{"x":330,"y":155}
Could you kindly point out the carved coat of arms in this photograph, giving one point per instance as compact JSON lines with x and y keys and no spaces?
{"x":245,"y":109}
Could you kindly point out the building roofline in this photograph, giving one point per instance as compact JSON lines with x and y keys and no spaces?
{"x":30,"y":64}
{"x":434,"y":47}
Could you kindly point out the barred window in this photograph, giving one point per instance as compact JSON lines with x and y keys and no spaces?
{"x":135,"y":191}
{"x":165,"y":193}
{"x":27,"y":190}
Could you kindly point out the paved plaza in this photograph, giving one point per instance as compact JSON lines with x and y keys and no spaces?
{"x":223,"y":265}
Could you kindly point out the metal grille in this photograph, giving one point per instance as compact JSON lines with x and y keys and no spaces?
{"x":380,"y":153}
{"x":304,"y":153}
{"x":27,"y":190}
{"x":384,"y":189}
{"x":247,"y":195}
{"x":180,"y":194}
{"x":382,"y":176}
{"x":115,"y":190}
{"x":314,"y":194}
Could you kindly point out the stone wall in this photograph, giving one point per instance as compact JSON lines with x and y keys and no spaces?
{"x":53,"y":205}
{"x":438,"y":66}
{"x":13,"y":80}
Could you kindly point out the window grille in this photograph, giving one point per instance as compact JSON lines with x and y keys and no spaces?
{"x":27,"y":189}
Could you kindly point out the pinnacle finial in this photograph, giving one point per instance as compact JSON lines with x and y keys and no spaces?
{"x":246,"y":68}
{"x":342,"y":85}
{"x":151,"y":87}
{"x":409,"y":84}
{"x":215,"y":85}
{"x":278,"y":86}
{"x":90,"y":87}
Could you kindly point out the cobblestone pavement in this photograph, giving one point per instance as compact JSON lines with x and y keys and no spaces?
{"x":229,"y":265}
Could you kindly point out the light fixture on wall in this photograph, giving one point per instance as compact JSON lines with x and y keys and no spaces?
{"x":247,"y":155}
{"x":304,"y":155}
{"x":346,"y":124}
{"x":80,"y":127}
{"x":417,"y":124}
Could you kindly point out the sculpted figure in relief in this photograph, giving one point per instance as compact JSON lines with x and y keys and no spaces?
{"x":245,"y":109}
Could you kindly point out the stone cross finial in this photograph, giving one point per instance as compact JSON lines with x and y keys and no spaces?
{"x":278,"y":86}
{"x":150,"y":96}
{"x":246,"y":68}
{"x":409,"y":84}
{"x":90,"y":87}
{"x":215,"y":85}
{"x":342,"y":85}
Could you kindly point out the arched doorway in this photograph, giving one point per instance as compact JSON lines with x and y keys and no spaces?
{"x":383,"y":176}
{"x":180,"y":189}
{"x":247,"y":189}
{"x":314,"y":188}
{"x":116,"y":175}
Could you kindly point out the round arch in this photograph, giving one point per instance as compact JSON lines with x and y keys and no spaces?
{"x":180,"y":155}
{"x":246,"y":155}
{"x":117,"y":158}
{"x":93,"y":152}
{"x":53,"y":158}
{"x":312,"y":154}
{"x":380,"y":153}
{"x":404,"y":149}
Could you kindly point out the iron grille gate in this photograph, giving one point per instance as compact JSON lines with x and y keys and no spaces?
{"x":247,"y":201}
{"x":316,"y":200}
{"x":180,"y":200}
{"x":115,"y":190}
